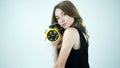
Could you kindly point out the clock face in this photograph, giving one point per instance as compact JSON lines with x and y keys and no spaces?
{"x":52,"y":35}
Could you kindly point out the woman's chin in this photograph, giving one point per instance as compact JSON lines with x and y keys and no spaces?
{"x":65,"y":27}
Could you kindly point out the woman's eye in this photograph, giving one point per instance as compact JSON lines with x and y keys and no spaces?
{"x":57,"y":18}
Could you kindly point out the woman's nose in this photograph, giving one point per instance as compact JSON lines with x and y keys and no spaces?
{"x":62,"y":20}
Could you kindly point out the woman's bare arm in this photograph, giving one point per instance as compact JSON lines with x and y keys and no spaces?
{"x":68,"y":42}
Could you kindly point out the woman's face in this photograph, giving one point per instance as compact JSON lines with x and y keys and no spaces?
{"x":64,"y":20}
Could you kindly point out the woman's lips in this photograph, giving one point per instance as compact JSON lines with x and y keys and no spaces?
{"x":64,"y":24}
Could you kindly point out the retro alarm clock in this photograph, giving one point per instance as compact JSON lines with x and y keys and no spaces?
{"x":53,"y":33}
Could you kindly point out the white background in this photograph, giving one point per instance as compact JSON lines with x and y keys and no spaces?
{"x":23,"y":22}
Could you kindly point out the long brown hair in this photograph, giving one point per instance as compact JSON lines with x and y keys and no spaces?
{"x":68,"y":8}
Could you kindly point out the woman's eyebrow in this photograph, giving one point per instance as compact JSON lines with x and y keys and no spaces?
{"x":60,"y":14}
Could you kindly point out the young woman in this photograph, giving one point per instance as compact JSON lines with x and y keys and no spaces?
{"x":74,"y":49}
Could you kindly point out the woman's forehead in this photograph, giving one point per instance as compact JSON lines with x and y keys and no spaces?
{"x":58,"y":12}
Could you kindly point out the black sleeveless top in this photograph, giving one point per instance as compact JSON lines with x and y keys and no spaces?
{"x":79,"y":58}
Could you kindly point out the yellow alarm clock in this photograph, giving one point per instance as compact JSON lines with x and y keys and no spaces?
{"x":53,"y":33}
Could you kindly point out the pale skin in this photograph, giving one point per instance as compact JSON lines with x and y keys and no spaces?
{"x":70,"y":39}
